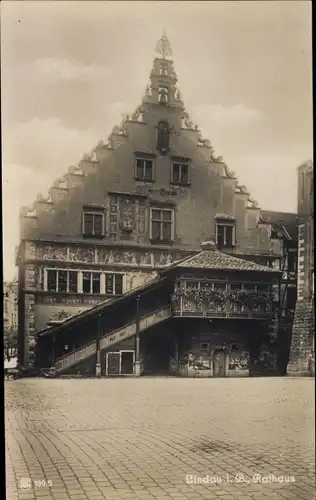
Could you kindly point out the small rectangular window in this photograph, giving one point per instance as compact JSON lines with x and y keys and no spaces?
{"x":96,"y":283}
{"x":73,"y":281}
{"x":114,"y":284}
{"x":229,"y":236}
{"x":62,"y":281}
{"x":205,"y":346}
{"x":91,"y":282}
{"x":225,"y":235}
{"x":118,"y":284}
{"x":163,"y":70}
{"x":88,"y":223}
{"x":93,"y":224}
{"x":144,"y":169}
{"x":52,"y":281}
{"x":86,"y":282}
{"x":162,"y":226}
{"x":220,"y":235}
{"x":180,"y":173}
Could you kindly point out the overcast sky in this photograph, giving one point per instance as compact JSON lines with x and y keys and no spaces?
{"x":70,"y":69}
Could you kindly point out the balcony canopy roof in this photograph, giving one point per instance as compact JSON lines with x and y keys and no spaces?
{"x":210,"y":258}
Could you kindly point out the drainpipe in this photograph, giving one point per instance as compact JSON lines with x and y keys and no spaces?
{"x":279,"y":339}
{"x":137,"y":362}
{"x":98,"y":361}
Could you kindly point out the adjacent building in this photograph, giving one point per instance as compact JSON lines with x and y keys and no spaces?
{"x":10,"y":314}
{"x":131,"y":210}
{"x":302,"y":358}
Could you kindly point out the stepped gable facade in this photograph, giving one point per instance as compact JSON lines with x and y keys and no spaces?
{"x":136,"y":204}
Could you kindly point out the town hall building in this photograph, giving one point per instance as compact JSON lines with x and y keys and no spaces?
{"x":150,"y":257}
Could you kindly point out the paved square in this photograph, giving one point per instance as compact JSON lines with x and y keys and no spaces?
{"x":155,"y":438}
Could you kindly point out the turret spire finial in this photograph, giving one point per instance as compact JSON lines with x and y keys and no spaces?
{"x":163,"y":46}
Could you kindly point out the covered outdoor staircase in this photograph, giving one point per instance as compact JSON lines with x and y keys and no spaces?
{"x":112,"y":338}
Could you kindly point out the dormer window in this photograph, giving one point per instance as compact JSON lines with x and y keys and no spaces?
{"x":163,"y":70}
{"x":163,"y":95}
{"x":93,"y":222}
{"x":225,"y":235}
{"x":225,"y":231}
{"x":180,"y":173}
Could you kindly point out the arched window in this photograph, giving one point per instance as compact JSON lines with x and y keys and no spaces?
{"x":163,"y":70}
{"x":163,"y":137}
{"x":163,"y":95}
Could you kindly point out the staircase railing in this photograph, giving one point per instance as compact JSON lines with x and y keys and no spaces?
{"x":112,"y":338}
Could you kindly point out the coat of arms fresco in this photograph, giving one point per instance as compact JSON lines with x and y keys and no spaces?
{"x":127,"y":220}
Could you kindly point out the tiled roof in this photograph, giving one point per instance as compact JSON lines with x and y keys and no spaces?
{"x":213,"y":259}
{"x":285,"y":220}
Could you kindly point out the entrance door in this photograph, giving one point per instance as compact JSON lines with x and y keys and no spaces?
{"x":219,"y":363}
{"x":113,"y":363}
{"x":159,"y":347}
{"x":127,"y":363}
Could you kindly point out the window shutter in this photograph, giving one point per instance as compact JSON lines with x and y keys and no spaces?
{"x":173,"y":232}
{"x":153,"y":170}
{"x":189,"y":172}
{"x":45,"y":280}
{"x":150,"y":223}
{"x":103,"y":224}
{"x":82,"y":224}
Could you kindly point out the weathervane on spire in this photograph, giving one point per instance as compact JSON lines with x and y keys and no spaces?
{"x":163,"y":46}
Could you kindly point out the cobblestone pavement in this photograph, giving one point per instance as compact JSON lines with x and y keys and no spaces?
{"x":142,"y":438}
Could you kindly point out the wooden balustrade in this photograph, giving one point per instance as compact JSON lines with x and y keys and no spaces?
{"x":110,"y":339}
{"x":226,"y":309}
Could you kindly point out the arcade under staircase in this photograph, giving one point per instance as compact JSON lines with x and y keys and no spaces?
{"x":112,"y":338}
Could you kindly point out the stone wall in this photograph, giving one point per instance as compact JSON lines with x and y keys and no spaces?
{"x":29,"y":330}
{"x":302,"y":356}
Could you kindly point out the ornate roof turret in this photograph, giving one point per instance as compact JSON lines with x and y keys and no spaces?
{"x":162,"y":88}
